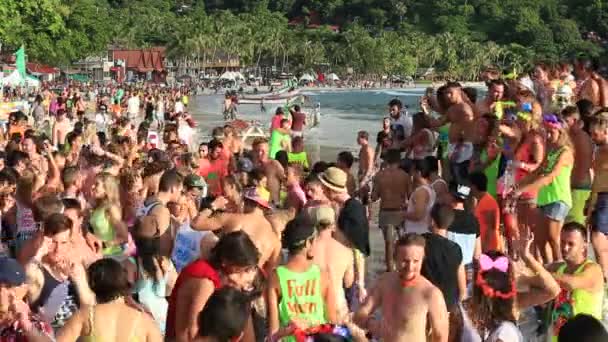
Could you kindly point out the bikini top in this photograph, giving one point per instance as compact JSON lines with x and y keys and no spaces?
{"x":92,"y":337}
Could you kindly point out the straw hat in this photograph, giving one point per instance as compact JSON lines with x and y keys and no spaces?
{"x":334,"y":179}
{"x":261,"y":198}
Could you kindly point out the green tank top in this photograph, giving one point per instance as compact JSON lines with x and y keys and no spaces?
{"x":491,"y":172}
{"x":559,"y":189}
{"x":275,"y":142}
{"x":571,"y":303}
{"x":301,"y":297}
{"x":298,"y":158}
{"x":102,"y":228}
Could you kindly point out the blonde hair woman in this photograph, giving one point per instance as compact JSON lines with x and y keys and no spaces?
{"x":106,"y":216}
{"x":552,"y":180}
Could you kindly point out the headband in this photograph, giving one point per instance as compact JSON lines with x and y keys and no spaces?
{"x":552,"y":121}
{"x":500,"y":264}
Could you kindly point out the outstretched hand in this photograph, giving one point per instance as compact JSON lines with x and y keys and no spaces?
{"x":523,"y":245}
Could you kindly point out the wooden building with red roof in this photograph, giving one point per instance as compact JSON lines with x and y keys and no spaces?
{"x":139,"y":64}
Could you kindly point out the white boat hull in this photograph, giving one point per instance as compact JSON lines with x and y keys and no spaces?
{"x":271,"y":96}
{"x":275,"y":101}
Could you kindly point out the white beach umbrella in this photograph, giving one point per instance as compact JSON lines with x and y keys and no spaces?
{"x":307,"y":77}
{"x":333,"y":77}
{"x":228,"y":75}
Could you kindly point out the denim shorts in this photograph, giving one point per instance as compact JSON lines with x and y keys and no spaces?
{"x":599,"y":216}
{"x":556,"y":211}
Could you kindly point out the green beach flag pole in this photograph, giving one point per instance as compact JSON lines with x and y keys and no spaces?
{"x":20,"y":62}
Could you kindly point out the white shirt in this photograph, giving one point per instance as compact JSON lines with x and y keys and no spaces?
{"x":404,"y":121}
{"x":421,"y":226}
{"x":179,"y":107}
{"x":133,"y":105}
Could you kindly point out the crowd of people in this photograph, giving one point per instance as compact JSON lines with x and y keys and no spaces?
{"x":488,"y":207}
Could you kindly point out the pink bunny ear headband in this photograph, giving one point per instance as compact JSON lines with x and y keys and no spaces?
{"x":500,"y":264}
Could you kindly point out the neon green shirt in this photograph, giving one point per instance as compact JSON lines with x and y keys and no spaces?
{"x":301,"y":297}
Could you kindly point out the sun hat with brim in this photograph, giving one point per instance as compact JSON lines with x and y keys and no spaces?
{"x":11,"y":272}
{"x":527,"y":84}
{"x":334,"y":179}
{"x":257,"y":196}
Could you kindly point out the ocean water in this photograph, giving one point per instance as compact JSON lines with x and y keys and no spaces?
{"x":343,"y":113}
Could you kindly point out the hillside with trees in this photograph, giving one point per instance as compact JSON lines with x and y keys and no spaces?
{"x":373,"y":37}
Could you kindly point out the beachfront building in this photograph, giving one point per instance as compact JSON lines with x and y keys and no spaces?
{"x":138,"y":64}
{"x":213,"y":63}
{"x":43,"y":72}
{"x":96,"y":68}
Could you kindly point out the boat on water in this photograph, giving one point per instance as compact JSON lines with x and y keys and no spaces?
{"x":266,"y":101}
{"x":259,"y":96}
{"x":282,"y":94}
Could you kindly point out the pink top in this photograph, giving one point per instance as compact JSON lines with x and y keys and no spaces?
{"x":276,"y":121}
{"x":296,"y":197}
{"x":524,"y":155}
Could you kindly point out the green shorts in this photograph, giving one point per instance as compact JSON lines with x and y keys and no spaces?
{"x":577,"y":212}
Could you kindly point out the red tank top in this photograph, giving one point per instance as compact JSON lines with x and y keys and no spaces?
{"x":524,"y":155}
{"x":197,"y":269}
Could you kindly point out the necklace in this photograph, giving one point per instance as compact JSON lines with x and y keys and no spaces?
{"x":407,"y":284}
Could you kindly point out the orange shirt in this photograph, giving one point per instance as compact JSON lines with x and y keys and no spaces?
{"x":489,"y":230}
{"x":214,"y":171}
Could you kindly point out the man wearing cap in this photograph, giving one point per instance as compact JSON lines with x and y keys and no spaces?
{"x":332,"y":256}
{"x":17,"y":323}
{"x":300,"y":293}
{"x":353,"y":226}
{"x":252,"y":221}
{"x":274,"y":171}
{"x":464,"y":230}
{"x":195,"y":189}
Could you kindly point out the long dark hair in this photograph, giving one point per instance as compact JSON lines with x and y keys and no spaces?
{"x":237,"y":249}
{"x":149,"y":255}
{"x":488,"y":310}
{"x":234,"y":249}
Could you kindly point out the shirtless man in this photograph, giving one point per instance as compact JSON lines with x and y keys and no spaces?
{"x":251,"y":222}
{"x":279,"y":218}
{"x":366,"y":168}
{"x":407,"y":300}
{"x":496,"y":91}
{"x":61,"y":127}
{"x":580,"y":180}
{"x":366,"y":159}
{"x":169,"y":190}
{"x":596,"y":207}
{"x":273,"y":170}
{"x":461,"y":133}
{"x":592,"y":87}
{"x":392,"y":186}
{"x":333,"y":257}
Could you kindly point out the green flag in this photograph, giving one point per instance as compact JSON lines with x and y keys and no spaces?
{"x":20,"y":61}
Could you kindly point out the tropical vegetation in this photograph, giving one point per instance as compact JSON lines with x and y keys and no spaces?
{"x":371,"y":37}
